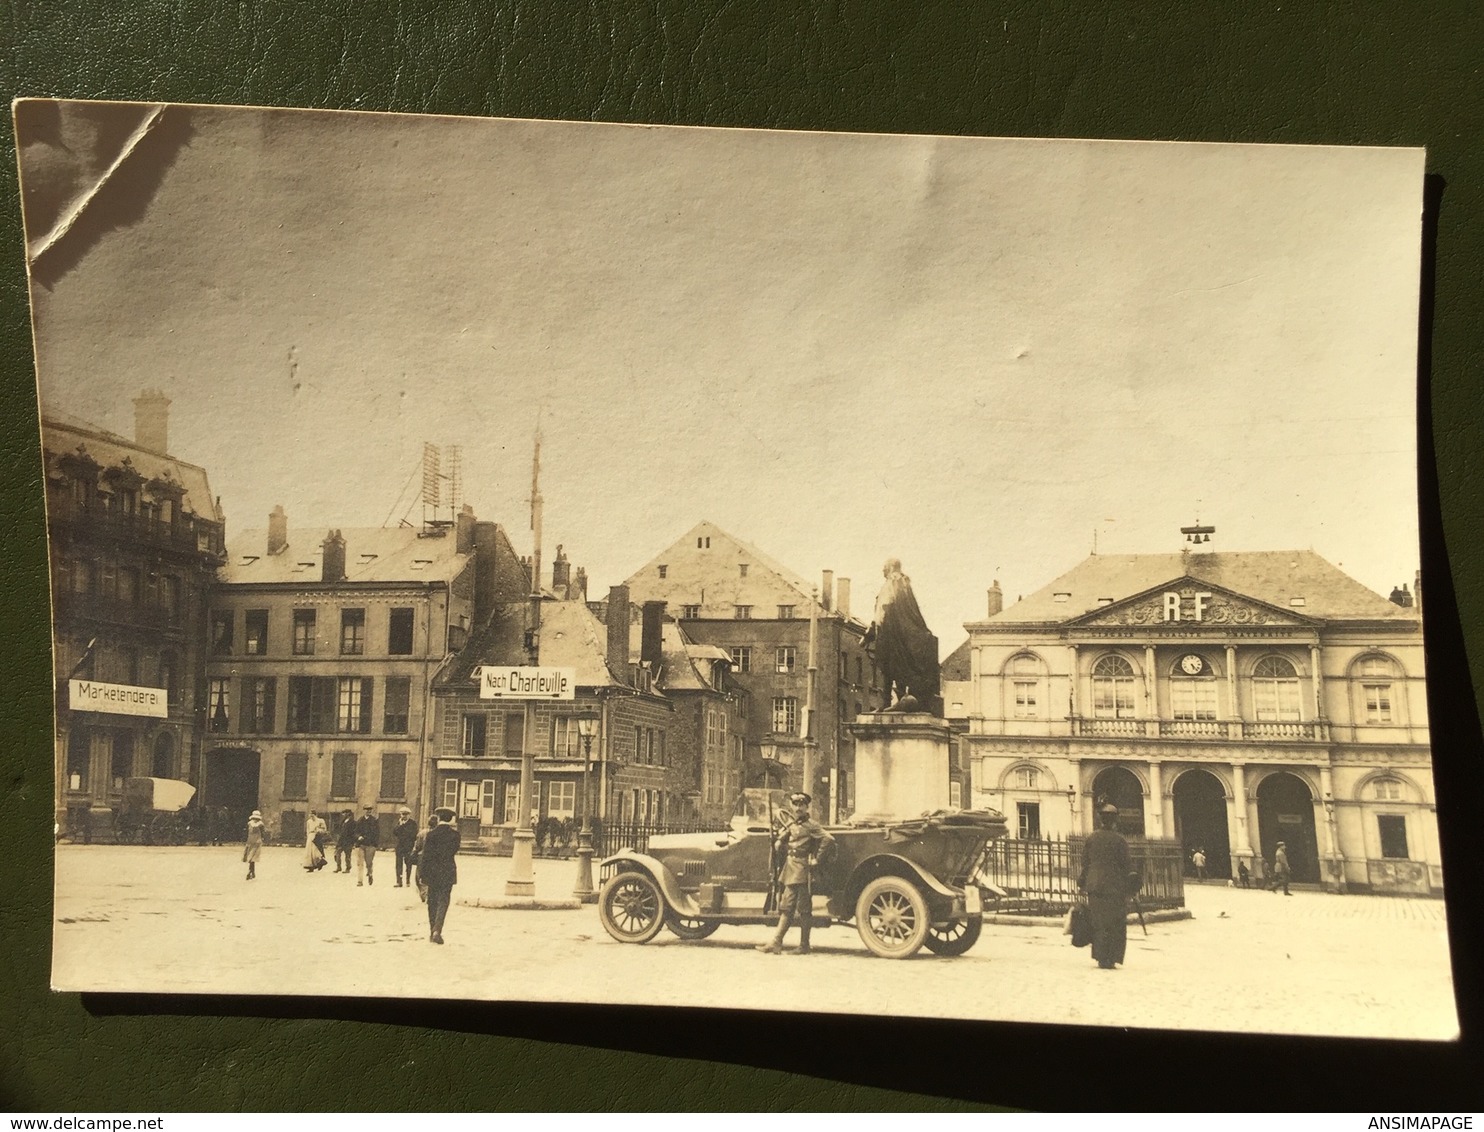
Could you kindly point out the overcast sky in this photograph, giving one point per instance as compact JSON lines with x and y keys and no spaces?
{"x":966,"y":353}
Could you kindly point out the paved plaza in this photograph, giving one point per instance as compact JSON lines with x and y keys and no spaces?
{"x":184,"y":920}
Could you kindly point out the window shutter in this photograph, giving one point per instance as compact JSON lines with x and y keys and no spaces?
{"x":366,"y":682}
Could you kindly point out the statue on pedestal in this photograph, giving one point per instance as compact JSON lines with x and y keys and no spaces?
{"x":904,"y":647}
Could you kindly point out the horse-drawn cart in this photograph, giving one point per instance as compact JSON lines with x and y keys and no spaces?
{"x":153,"y":811}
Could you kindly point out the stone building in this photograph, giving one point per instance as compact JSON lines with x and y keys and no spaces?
{"x":727,"y":594}
{"x":647,"y":765}
{"x":1228,"y":700}
{"x":135,"y":537}
{"x":323,"y":648}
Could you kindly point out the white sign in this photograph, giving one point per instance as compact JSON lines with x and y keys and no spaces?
{"x":517,"y":683}
{"x":120,"y":699}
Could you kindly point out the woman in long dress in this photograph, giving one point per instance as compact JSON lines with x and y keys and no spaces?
{"x":254,"y":846}
{"x":314,"y":840}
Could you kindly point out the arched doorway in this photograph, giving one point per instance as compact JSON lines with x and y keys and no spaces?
{"x":230,"y":791}
{"x":1121,"y":786}
{"x":163,"y":765}
{"x":1285,"y":812}
{"x":1200,"y":821}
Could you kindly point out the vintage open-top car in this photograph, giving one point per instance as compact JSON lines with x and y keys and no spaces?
{"x":904,"y":884}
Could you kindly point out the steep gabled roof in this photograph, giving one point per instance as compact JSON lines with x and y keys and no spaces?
{"x":372,"y":554}
{"x":1276,"y":577}
{"x":59,"y":438}
{"x":725,"y":585}
{"x":571,"y":637}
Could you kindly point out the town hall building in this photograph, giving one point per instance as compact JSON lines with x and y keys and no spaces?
{"x":1229,"y":700}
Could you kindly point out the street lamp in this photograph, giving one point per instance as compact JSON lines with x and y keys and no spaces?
{"x":777,"y":758}
{"x":587,"y":728}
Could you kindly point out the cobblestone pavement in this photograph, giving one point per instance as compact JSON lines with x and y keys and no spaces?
{"x":184,"y":920}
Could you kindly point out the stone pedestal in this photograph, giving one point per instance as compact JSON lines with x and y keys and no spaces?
{"x":901,"y":765}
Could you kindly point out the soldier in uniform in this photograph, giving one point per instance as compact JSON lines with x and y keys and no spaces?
{"x":802,"y":843}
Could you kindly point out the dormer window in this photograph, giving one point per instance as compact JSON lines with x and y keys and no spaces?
{"x":742,"y":569}
{"x":1061,"y":598}
{"x":663,"y":570}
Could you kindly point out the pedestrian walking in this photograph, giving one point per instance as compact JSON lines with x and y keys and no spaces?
{"x":367,"y":841}
{"x":802,"y":843}
{"x":345,"y":841}
{"x":437,"y":869}
{"x":1198,"y":859}
{"x":254,"y":846}
{"x":1108,"y":878}
{"x":314,"y":850}
{"x":1280,"y":869}
{"x":1244,"y":874}
{"x":417,"y":858}
{"x":404,"y":834}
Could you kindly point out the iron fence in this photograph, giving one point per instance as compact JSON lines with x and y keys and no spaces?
{"x":609,"y":837}
{"x":1041,"y":875}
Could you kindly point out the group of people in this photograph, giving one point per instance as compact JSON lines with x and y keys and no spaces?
{"x":430,"y":851}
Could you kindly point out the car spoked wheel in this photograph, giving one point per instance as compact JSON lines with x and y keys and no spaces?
{"x":631,"y":908}
{"x":954,"y":939}
{"x":687,"y":928}
{"x":892,"y":917}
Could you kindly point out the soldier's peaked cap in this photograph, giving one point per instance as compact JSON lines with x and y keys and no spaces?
{"x":799,"y":796}
{"x":1107,"y":808}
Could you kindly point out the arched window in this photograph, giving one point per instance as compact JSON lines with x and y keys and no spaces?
{"x":1375,"y":676}
{"x":1192,"y":688}
{"x":1275,"y":689}
{"x":1386,"y":789}
{"x":1024,"y":674}
{"x":1027,"y":778}
{"x":1113,"y":688}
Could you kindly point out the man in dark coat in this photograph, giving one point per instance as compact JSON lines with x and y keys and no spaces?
{"x":904,"y":647}
{"x":367,"y":840}
{"x":405,"y":834}
{"x":437,"y":869}
{"x":345,"y":841}
{"x":1109,"y":879}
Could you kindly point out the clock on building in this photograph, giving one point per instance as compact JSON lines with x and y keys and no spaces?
{"x":1192,"y":665}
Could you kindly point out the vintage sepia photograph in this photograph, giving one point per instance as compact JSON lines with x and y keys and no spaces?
{"x":925,"y":576}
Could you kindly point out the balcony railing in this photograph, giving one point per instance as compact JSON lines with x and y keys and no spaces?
{"x":1302,"y":731}
{"x":186,"y":534}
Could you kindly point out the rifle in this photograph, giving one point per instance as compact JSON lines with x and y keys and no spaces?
{"x":1140,"y":910}
{"x":774,"y":865}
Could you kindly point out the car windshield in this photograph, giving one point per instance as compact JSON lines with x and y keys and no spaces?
{"x":756,"y":808}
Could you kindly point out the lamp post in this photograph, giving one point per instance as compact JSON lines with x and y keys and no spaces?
{"x":777,"y":758}
{"x":587,"y":728}
{"x":1072,"y":807}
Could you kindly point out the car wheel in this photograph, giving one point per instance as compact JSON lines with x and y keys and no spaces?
{"x":892,"y":917}
{"x":687,"y":928}
{"x":631,"y":908}
{"x":954,"y":939}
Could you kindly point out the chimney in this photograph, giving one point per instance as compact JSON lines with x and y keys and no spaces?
{"x":332,"y":567}
{"x":152,"y":421}
{"x":278,"y":531}
{"x":651,"y":640}
{"x":827,"y":591}
{"x":464,"y":530}
{"x":618,"y":632}
{"x":561,"y":574}
{"x":996,"y":598}
{"x":579,"y":584}
{"x":842,"y":597}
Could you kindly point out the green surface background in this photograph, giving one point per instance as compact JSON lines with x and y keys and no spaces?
{"x":1385,"y":73}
